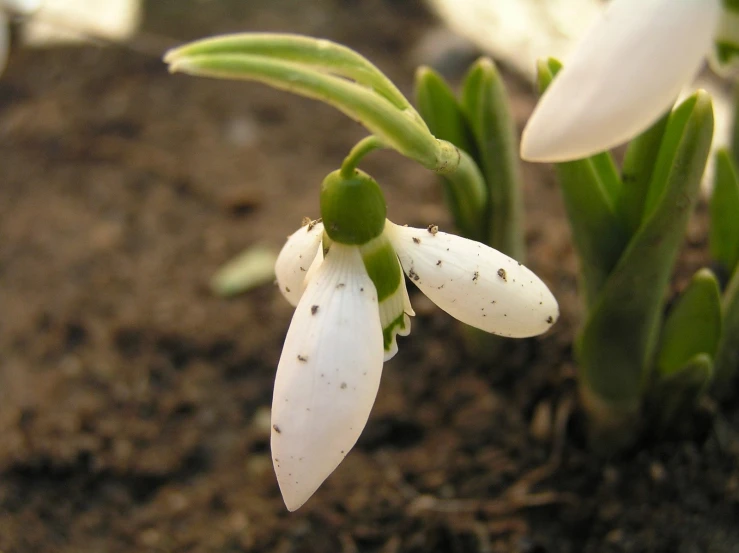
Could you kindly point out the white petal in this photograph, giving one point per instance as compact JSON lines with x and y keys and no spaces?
{"x":627,"y":71}
{"x":295,"y":260}
{"x":328,"y":375}
{"x":21,"y":7}
{"x":475,"y":283}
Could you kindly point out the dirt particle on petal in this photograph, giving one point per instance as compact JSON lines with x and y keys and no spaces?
{"x":287,"y":289}
{"x":438,"y":263}
{"x":412,"y":274}
{"x":313,"y":309}
{"x":343,"y":384}
{"x":361,"y":289}
{"x":276,"y":429}
{"x":416,"y":240}
{"x":302,"y":358}
{"x":306,"y":221}
{"x":340,"y":285}
{"x":550,"y":319}
{"x":433,"y":229}
{"x":313,"y":224}
{"x":302,"y":269}
{"x":476,"y":276}
{"x":502,"y":274}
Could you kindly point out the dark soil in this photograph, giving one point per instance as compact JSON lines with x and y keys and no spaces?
{"x":134,"y":404}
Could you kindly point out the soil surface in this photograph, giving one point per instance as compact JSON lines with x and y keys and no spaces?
{"x":134,"y":405}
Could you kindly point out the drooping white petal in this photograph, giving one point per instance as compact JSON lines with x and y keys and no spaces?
{"x":295,"y":260}
{"x":627,"y":71}
{"x":475,"y":283}
{"x":328,"y":375}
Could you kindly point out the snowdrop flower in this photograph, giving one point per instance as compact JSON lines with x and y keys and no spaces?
{"x":625,"y":73}
{"x":345,"y":275}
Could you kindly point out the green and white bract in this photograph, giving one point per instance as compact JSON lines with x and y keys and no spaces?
{"x":625,"y":73}
{"x":345,"y":274}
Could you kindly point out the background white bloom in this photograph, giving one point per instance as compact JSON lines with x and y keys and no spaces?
{"x":626,"y":72}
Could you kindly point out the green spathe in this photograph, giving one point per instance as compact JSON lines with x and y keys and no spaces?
{"x":353,"y":209}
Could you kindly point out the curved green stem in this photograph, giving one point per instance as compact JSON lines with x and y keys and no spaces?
{"x":361,"y":149}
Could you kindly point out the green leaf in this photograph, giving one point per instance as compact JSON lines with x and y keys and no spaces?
{"x":466,"y":197}
{"x":636,"y":174}
{"x":665,"y":163}
{"x":727,"y":358}
{"x":442,"y":112}
{"x":320,"y":54}
{"x":464,"y":189}
{"x":597,"y":233}
{"x":399,"y":129}
{"x":485,"y":103}
{"x":734,"y":146}
{"x":617,"y":342}
{"x":724,"y":207}
{"x":250,"y":269}
{"x":693,"y":326}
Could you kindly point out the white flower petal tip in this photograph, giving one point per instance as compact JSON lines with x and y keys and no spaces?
{"x":328,"y":375}
{"x":475,"y":283}
{"x":21,"y":7}
{"x":296,"y":259}
{"x":628,"y":70}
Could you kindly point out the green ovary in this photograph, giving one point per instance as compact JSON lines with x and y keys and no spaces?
{"x":353,"y":209}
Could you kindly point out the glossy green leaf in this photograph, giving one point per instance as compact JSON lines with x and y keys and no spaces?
{"x":617,"y":342}
{"x":442,"y":112}
{"x":465,"y":190}
{"x":693,"y":326}
{"x":391,"y":125}
{"x":485,"y":102}
{"x":665,"y":164}
{"x":724,"y":207}
{"x":636,"y":173}
{"x":320,"y":54}
{"x":597,"y":233}
{"x":466,"y":197}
